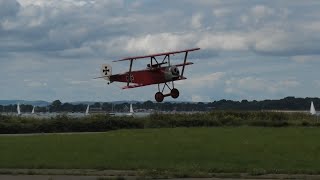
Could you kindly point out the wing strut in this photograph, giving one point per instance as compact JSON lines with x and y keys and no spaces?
{"x":184,"y":63}
{"x":129,"y":73}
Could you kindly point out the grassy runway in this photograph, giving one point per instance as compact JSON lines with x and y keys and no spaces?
{"x":227,"y":149}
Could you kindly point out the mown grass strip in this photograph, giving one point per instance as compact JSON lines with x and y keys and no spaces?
{"x":242,"y":149}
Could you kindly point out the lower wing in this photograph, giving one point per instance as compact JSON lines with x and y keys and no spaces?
{"x":141,"y":85}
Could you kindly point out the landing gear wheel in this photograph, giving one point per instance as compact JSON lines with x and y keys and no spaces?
{"x":159,"y":96}
{"x":174,"y":93}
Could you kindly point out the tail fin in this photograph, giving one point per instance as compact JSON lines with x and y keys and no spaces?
{"x":106,"y":71}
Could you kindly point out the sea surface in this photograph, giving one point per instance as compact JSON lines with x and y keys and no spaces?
{"x":52,"y":115}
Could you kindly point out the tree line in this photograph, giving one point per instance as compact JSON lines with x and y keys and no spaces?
{"x":288,"y":103}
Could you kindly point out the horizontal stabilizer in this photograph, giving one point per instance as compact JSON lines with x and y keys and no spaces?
{"x":101,"y":77}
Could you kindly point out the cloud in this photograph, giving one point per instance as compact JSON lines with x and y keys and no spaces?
{"x":36,"y":84}
{"x":317,"y":83}
{"x":196,"y":21}
{"x":74,"y":82}
{"x":221,"y":12}
{"x":247,"y":85}
{"x":198,"y":98}
{"x":306,"y":58}
{"x":158,"y":42}
{"x":8,"y":8}
{"x":70,"y":27}
{"x":224,"y":42}
{"x":260,"y":46}
{"x":261,"y":11}
{"x":208,"y":80}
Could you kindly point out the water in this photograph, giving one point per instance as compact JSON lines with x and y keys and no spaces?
{"x":76,"y":115}
{"x":79,"y":115}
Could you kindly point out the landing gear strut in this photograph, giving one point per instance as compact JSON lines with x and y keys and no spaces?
{"x":174,"y":93}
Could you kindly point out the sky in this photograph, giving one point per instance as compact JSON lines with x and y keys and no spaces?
{"x":250,"y":49}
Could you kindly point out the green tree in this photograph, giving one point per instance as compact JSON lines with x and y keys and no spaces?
{"x":55,"y":106}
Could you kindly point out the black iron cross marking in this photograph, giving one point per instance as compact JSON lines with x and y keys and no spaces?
{"x":106,"y":70}
{"x":131,"y":78}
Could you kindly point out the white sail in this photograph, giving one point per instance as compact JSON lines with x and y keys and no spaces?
{"x":312,"y":109}
{"x":32,"y":112}
{"x":131,"y":112}
{"x":87,"y":110}
{"x":131,"y":109}
{"x":18,"y":109}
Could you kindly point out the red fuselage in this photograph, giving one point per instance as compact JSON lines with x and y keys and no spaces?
{"x":146,"y":77}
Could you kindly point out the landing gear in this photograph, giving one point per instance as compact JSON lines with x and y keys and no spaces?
{"x":159,"y":96}
{"x":174,"y":93}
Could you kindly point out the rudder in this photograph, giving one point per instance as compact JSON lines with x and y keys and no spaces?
{"x":106,"y":71}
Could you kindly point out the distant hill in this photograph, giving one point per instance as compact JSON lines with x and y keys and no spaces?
{"x":34,"y":103}
{"x":113,"y":102}
{"x":45,"y":103}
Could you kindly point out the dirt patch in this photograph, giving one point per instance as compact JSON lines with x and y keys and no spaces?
{"x":92,"y":174}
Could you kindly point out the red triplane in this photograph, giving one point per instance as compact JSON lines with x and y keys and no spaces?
{"x":155,"y":73}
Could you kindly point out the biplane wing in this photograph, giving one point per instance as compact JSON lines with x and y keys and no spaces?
{"x":152,"y":56}
{"x":134,"y":86}
{"x":184,"y":64}
{"x":155,"y":55}
{"x":141,"y":85}
{"x":157,"y":72}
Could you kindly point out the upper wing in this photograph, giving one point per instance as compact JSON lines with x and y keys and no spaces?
{"x":154,"y":55}
{"x":184,"y":64}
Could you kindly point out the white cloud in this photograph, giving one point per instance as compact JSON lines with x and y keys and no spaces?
{"x":35,"y":84}
{"x":199,"y":98}
{"x":208,"y":80}
{"x":75,"y":82}
{"x":306,"y":58}
{"x":73,"y":37}
{"x":196,"y":21}
{"x":66,"y":3}
{"x":153,"y":43}
{"x":317,"y":83}
{"x":221,"y":12}
{"x":248,"y":85}
{"x":224,"y":41}
{"x":261,"y":11}
{"x":313,"y":26}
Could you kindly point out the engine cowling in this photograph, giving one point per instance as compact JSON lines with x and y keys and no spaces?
{"x":172,"y":72}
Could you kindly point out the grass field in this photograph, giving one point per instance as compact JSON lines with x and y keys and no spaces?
{"x":231,"y":149}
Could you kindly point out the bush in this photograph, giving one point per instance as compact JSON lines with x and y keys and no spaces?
{"x":98,"y":123}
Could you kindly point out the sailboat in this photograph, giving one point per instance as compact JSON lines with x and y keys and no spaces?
{"x":32,"y":112}
{"x":131,"y":112}
{"x":312,"y":109}
{"x":112,"y":113}
{"x":87,"y":110}
{"x":18,"y":109}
